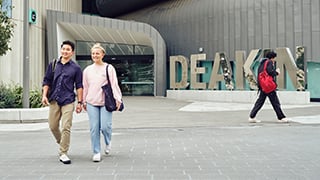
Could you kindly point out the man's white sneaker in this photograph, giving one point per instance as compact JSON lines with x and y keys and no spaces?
{"x":65,"y":159}
{"x":108,"y":148}
{"x":283,"y":120}
{"x":96,"y":157}
{"x":253,"y":120}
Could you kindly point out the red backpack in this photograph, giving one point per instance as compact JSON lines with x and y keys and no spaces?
{"x":266,"y":81}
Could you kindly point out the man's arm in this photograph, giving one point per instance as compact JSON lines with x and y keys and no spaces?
{"x":80,"y":95}
{"x":80,"y":100}
{"x":45,"y":90}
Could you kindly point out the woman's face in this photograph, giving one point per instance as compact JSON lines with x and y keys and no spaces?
{"x":97,"y":55}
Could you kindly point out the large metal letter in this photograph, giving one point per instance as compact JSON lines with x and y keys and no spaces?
{"x":174,"y":60}
{"x":220,"y":60}
{"x":194,"y":71}
{"x":254,"y":54}
{"x":285,"y":61}
{"x":240,"y":59}
{"x":300,"y":62}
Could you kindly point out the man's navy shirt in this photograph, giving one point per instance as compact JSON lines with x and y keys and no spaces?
{"x":61,"y":86}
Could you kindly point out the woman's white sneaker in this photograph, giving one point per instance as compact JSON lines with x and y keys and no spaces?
{"x":96,"y":157}
{"x":283,"y":120}
{"x":108,"y":149}
{"x":253,"y":120}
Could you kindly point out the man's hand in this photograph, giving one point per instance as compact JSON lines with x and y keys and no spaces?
{"x":278,"y":71}
{"x":45,"y":101}
{"x":79,"y":108}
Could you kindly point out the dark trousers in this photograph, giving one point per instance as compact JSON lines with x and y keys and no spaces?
{"x":274,"y":100}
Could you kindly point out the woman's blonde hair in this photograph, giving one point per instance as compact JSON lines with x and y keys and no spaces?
{"x":98,"y":46}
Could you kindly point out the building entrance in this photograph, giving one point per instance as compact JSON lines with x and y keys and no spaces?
{"x":134,"y":65}
{"x":135,"y":72}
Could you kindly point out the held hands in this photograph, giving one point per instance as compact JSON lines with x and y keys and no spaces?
{"x":79,"y":108}
{"x":84,"y":106}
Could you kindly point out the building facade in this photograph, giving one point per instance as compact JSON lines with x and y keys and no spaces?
{"x":140,"y":36}
{"x":11,"y":65}
{"x":210,"y":26}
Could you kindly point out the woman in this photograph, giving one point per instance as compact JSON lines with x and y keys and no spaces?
{"x":274,"y":100}
{"x":94,"y":76}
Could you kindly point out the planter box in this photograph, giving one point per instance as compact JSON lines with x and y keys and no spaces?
{"x":24,"y":115}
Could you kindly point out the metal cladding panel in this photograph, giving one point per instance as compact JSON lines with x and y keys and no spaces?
{"x":289,"y":22}
{"x":306,"y":24}
{"x":315,"y":32}
{"x":281,"y":23}
{"x":112,"y":8}
{"x":52,"y":35}
{"x":230,"y":25}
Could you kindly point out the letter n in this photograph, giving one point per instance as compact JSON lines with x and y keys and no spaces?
{"x":286,"y":62}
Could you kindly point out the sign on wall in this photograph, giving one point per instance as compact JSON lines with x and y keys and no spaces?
{"x":244,"y":72}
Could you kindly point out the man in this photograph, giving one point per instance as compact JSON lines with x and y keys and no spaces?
{"x":62,"y":76}
{"x":274,"y":100}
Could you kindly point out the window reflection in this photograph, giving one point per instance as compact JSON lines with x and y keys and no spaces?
{"x":6,"y":7}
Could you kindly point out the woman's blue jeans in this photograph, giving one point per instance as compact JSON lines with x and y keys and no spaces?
{"x":100,"y":120}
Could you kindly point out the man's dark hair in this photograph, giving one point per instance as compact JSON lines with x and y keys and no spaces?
{"x":70,"y":43}
{"x":271,"y":55}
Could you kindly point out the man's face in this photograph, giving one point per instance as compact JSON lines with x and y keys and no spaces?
{"x":66,"y":51}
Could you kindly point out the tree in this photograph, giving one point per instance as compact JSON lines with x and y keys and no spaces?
{"x":6,"y":31}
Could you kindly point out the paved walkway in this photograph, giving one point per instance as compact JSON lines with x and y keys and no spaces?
{"x":160,"y":138}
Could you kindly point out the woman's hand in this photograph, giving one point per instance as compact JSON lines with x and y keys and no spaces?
{"x":84,"y":106}
{"x":118,"y":104}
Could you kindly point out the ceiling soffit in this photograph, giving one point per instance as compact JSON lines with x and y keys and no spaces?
{"x":98,"y":34}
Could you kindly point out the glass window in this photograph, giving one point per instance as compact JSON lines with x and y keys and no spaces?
{"x":6,"y":7}
{"x":134,"y":65}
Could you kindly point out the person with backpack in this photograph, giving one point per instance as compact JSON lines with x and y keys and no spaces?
{"x":61,"y":78}
{"x":274,"y":100}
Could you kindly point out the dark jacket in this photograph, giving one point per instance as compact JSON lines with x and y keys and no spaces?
{"x":271,"y":69}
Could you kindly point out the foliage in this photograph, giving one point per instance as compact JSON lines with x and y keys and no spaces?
{"x":11,"y":97}
{"x":6,"y":31}
{"x":35,"y":99}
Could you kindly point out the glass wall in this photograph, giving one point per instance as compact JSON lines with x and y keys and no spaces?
{"x":134,"y":65}
{"x":6,"y":7}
